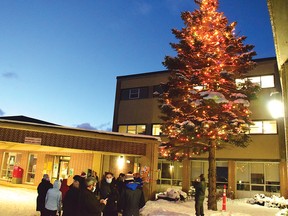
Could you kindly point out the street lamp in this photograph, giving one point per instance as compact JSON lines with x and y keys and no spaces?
{"x":275,"y":106}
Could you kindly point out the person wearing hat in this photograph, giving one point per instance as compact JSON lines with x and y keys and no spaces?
{"x":200,"y":187}
{"x":42,"y":189}
{"x":71,"y":199}
{"x":132,"y":197}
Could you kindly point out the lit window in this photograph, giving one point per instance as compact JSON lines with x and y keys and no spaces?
{"x":134,"y":93}
{"x":239,"y":83}
{"x":256,"y":128}
{"x":267,"y":81}
{"x":132,"y":129}
{"x":269,"y":127}
{"x":122,"y":129}
{"x":31,"y":168}
{"x":156,"y":130}
{"x":255,"y":80}
{"x":140,"y":129}
{"x":264,"y":127}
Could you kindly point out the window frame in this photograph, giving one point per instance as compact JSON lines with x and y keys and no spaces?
{"x":137,"y":126}
{"x":262,"y":130}
{"x":134,"y":95}
{"x":260,"y":82}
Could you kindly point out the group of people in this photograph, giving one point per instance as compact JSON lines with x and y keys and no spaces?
{"x":122,"y":195}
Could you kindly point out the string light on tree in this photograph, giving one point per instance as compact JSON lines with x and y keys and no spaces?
{"x":202,"y":105}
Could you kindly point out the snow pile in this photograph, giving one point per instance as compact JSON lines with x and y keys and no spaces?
{"x":273,"y":201}
{"x":172,"y":194}
{"x":283,"y":212}
{"x":164,"y":207}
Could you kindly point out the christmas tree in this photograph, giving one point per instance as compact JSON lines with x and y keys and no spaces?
{"x":202,"y":104}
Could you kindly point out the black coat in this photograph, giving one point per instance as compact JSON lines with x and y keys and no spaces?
{"x":110,"y":191}
{"x":71,"y":202}
{"x":42,"y":189}
{"x":132,"y":199}
{"x":200,"y":188}
{"x":89,"y":205}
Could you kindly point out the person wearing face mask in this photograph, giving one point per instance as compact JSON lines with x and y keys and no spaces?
{"x":89,"y":205}
{"x":108,"y":189}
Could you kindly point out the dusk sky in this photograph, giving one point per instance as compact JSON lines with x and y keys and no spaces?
{"x":59,"y":59}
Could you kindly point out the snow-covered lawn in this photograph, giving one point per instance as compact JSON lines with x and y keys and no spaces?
{"x":238,"y":207}
{"x":22,"y":201}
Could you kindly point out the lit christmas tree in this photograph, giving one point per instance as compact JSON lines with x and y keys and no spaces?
{"x":203,"y":105}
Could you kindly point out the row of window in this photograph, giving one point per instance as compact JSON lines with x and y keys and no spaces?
{"x":266,"y":81}
{"x":259,"y":127}
{"x":13,"y":159}
{"x":258,"y":177}
{"x":250,"y":176}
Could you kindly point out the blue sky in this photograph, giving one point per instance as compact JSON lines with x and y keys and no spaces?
{"x":59,"y":59}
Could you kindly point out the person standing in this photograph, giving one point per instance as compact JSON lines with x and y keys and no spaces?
{"x":108,"y":189}
{"x":200,"y":187}
{"x":53,"y":200}
{"x":120,"y":182}
{"x":64,"y":188}
{"x":89,"y":205}
{"x":42,"y":189}
{"x":71,"y":199}
{"x":132,"y":197}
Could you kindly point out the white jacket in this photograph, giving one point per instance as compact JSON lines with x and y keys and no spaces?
{"x":53,"y":198}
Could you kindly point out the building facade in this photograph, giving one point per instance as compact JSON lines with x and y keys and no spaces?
{"x":28,"y":150}
{"x":258,"y":168}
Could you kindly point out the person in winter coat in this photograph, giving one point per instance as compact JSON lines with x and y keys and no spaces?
{"x":132,"y":197}
{"x":42,"y":189}
{"x":120,"y":182}
{"x":53,"y":200}
{"x":200,"y":187}
{"x":108,"y":189}
{"x":89,"y":205}
{"x":71,"y":199}
{"x":138,"y":179}
{"x":64,"y":188}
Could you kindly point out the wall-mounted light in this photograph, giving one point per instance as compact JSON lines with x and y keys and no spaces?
{"x":120,"y":162}
{"x":275,"y":105}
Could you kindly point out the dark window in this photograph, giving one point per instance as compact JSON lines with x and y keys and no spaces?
{"x":134,"y":93}
{"x":221,"y":176}
{"x":158,"y":89}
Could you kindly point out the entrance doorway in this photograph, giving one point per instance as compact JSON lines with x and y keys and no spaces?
{"x":59,"y":168}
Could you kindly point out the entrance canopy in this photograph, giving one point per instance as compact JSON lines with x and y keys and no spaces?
{"x":15,"y":135}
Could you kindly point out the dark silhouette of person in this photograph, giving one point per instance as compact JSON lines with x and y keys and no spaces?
{"x":42,"y":189}
{"x":89,"y":205}
{"x":71,"y":200}
{"x":200,"y":187}
{"x":132,"y":197}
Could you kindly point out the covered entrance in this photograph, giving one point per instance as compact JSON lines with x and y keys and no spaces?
{"x":63,"y":152}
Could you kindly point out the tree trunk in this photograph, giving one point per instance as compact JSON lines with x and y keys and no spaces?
{"x":212,"y":202}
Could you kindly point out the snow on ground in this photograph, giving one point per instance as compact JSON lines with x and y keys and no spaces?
{"x":17,"y":201}
{"x":22,"y":201}
{"x":237,"y":207}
